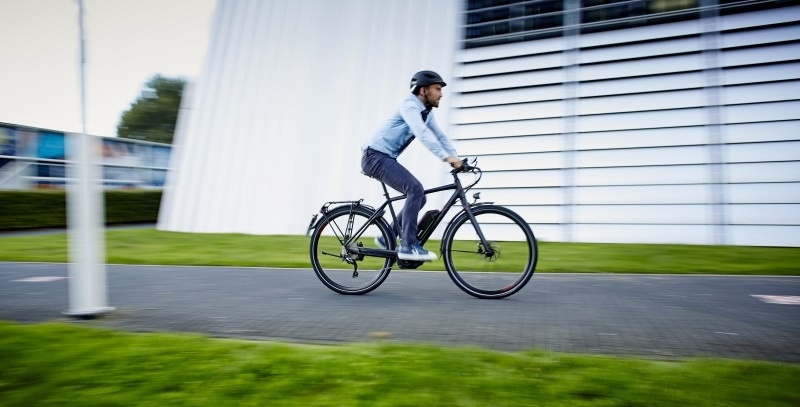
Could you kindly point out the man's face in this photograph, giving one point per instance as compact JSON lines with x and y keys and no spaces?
{"x":432,"y":94}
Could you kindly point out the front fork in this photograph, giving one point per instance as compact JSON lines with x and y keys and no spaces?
{"x":487,"y":249}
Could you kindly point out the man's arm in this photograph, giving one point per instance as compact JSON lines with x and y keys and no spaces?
{"x":443,"y":140}
{"x":452,"y":157}
{"x":411,"y":115}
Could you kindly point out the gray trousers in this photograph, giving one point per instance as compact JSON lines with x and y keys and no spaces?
{"x":387,"y":170}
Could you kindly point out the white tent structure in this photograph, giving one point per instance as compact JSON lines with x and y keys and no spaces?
{"x":290,"y":90}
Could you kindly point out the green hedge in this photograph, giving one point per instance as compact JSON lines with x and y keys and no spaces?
{"x":47,"y":209}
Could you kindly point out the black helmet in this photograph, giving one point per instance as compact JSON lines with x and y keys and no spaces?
{"x":425,"y":78}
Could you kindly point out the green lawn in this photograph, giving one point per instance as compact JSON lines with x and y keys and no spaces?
{"x":64,"y":365}
{"x":149,"y":246}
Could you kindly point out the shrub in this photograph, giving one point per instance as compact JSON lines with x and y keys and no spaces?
{"x":47,"y":209}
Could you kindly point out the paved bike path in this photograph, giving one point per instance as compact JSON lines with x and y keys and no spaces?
{"x":654,"y":316}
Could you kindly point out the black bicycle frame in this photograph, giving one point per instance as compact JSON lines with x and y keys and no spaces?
{"x":385,"y":253}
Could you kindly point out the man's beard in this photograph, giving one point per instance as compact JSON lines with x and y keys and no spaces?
{"x":429,"y":103}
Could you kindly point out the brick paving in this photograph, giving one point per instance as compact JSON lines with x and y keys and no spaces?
{"x":656,"y":316}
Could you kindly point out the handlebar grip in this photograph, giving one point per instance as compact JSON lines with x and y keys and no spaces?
{"x":465,"y":167}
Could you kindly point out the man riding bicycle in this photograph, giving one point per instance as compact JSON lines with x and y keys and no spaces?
{"x":412,"y":119}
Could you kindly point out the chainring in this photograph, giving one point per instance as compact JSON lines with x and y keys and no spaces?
{"x":409,"y":264}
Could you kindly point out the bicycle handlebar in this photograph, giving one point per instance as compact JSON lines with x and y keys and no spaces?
{"x":466,"y":167}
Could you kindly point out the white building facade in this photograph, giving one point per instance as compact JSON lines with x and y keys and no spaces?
{"x":597,"y":121}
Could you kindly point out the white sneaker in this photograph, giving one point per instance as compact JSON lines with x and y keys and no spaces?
{"x":415,"y":252}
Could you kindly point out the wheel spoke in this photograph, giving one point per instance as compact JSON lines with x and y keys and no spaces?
{"x":328,"y":253}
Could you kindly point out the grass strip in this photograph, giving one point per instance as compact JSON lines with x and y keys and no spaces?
{"x":149,"y":246}
{"x":62,"y":364}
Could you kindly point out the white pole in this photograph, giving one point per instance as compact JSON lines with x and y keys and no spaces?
{"x":87,"y":284}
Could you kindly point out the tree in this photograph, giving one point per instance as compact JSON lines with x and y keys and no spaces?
{"x":154,"y":114}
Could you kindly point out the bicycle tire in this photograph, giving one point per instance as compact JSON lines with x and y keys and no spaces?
{"x":332,"y":263}
{"x":514,"y":258}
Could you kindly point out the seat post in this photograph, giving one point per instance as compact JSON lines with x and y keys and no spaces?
{"x":395,"y":225}
{"x":385,"y":191}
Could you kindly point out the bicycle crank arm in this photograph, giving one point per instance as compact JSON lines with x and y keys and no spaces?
{"x":364,"y":251}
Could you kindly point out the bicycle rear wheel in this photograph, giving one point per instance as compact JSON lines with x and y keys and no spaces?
{"x":495,"y":273}
{"x":340,"y":270}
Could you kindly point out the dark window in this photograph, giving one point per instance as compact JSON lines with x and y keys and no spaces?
{"x":605,"y":15}
{"x":492,"y":22}
{"x":743,"y":6}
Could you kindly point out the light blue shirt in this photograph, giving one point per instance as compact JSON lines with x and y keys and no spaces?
{"x":393,"y":135}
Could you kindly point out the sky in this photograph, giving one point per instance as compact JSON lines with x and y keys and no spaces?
{"x":126,"y":43}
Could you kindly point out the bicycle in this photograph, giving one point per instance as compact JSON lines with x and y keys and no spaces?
{"x":484,"y":268}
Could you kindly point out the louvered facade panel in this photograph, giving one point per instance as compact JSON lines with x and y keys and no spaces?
{"x":540,"y":214}
{"x":510,"y":96}
{"x":766,"y":214}
{"x":641,"y":50}
{"x":505,"y":66}
{"x":762,"y":193}
{"x":641,"y":67}
{"x":643,"y":195}
{"x":763,"y":172}
{"x":760,"y":73}
{"x":758,"y":235}
{"x":506,"y":113}
{"x":764,"y":131}
{"x":658,"y":137}
{"x":521,"y":196}
{"x":524,"y":161}
{"x":643,"y":214}
{"x":762,"y":112}
{"x":762,"y":152}
{"x":640,"y":102}
{"x":759,"y":36}
{"x":507,"y":129}
{"x":637,"y":157}
{"x":660,"y":234}
{"x":639,"y":34}
{"x":642,"y":84}
{"x":762,"y":92}
{"x":764,"y":54}
{"x":512,"y":50}
{"x":675,"y":132}
{"x":521,"y":144}
{"x":523,"y":178}
{"x":511,"y":80}
{"x":654,"y":119}
{"x":643,"y":175}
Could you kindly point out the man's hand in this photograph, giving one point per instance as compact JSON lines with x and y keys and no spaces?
{"x":454,"y":162}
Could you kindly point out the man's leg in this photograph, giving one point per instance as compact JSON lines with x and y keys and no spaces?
{"x":395,"y":175}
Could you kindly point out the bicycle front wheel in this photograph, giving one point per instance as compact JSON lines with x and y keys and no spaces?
{"x":336,"y":266}
{"x":496,"y":271}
